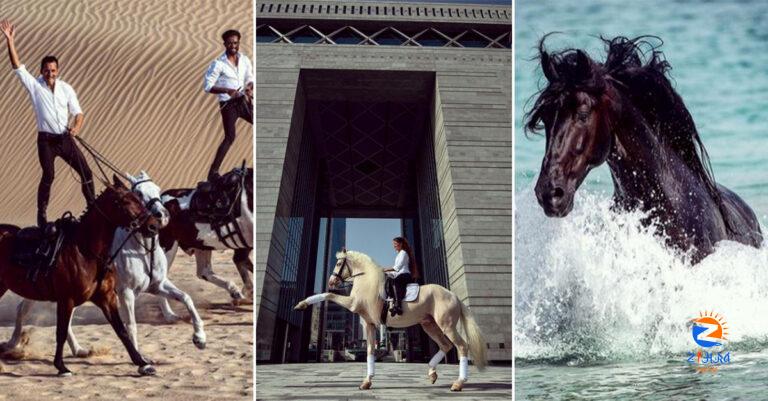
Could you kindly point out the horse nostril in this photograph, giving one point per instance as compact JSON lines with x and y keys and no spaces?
{"x":152,"y":228}
{"x":157,"y":214}
{"x":557,"y":193}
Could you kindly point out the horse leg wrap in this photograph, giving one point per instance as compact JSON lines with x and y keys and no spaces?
{"x":316,"y":299}
{"x":463,"y":368}
{"x":371,"y":360}
{"x":436,"y":359}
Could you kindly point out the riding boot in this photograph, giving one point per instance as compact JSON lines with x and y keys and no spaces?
{"x":396,"y":302}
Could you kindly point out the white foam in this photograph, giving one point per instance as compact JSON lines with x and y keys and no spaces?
{"x":598,"y":285}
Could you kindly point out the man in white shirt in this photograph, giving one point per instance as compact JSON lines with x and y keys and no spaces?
{"x":53,"y":101}
{"x":230,"y":77}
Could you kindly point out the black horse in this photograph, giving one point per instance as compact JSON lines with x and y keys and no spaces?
{"x":625,"y":112}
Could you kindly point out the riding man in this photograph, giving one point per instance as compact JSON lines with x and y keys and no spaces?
{"x":230,"y":77}
{"x":53,"y":101}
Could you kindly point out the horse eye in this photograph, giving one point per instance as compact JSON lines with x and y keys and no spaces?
{"x":582,"y":116}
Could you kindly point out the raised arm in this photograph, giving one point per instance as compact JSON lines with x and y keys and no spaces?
{"x":10,"y":32}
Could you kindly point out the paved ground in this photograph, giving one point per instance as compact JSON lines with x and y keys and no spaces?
{"x":393,"y":381}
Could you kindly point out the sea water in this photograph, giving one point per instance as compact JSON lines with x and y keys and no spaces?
{"x":603,"y":307}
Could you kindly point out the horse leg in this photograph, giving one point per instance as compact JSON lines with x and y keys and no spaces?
{"x":370,"y":335}
{"x":63,"y":316}
{"x":127,"y":302}
{"x":21,"y":313}
{"x":244,"y":266}
{"x":168,"y":290}
{"x":74,"y":346}
{"x":453,"y":335}
{"x":341,"y":300}
{"x":205,"y":272}
{"x":168,"y":314}
{"x":434,"y":332}
{"x":107,"y":302}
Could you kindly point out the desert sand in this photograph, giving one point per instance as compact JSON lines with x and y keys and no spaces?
{"x":137,"y":67}
{"x":222,"y":371}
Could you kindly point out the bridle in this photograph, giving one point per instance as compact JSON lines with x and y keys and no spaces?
{"x":150,"y":202}
{"x":340,"y":274}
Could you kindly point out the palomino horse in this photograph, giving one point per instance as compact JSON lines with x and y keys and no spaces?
{"x":625,"y":112}
{"x":83,"y":268}
{"x":201,"y":239}
{"x":141,"y":267}
{"x":436,"y":309}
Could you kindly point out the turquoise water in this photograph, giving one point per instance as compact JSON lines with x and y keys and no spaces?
{"x":602,"y":306}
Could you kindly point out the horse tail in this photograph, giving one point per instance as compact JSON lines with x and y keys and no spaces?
{"x":475,"y":338}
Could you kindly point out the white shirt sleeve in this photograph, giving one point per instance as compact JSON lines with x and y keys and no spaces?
{"x":26,"y":78}
{"x":401,"y":261}
{"x":72,"y":102}
{"x":248,"y":71}
{"x":211,"y":76}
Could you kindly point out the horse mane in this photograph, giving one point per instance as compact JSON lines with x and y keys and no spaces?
{"x":370,"y":288}
{"x":641,"y":70}
{"x":637,"y":69}
{"x":89,"y":207}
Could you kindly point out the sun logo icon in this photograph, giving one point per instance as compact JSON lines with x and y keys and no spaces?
{"x":709,"y":329}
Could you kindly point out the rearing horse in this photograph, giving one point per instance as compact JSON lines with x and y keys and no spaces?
{"x":436,"y":309}
{"x":83,"y":270}
{"x":625,"y":112}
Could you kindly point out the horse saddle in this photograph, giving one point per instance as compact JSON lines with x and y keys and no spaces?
{"x":411,"y":293}
{"x":37,"y":248}
{"x":217,"y":200}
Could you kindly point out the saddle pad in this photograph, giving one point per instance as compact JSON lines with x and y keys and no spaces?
{"x":411,"y":292}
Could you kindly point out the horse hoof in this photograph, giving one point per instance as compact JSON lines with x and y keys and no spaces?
{"x":457,"y":386}
{"x":301,"y":306}
{"x":199,"y":342}
{"x":433,"y":377}
{"x":147,"y":370}
{"x":65,"y":374}
{"x":83,"y":353}
{"x":365,"y":385}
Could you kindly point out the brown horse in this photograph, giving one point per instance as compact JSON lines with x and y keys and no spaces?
{"x":83,"y":269}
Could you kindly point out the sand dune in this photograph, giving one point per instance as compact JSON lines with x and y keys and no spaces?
{"x":137,"y":67}
{"x":222,"y":371}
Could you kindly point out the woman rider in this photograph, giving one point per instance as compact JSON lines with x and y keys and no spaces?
{"x":402,"y":273}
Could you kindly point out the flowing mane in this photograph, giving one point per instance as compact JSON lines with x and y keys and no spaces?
{"x":642,"y":73}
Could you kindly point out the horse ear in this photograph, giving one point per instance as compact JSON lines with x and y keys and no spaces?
{"x":117,"y":182}
{"x":144,"y":174}
{"x":131,"y":178}
{"x":549,"y":69}
{"x":583,"y":65}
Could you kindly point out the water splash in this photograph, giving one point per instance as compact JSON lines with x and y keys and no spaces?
{"x":598,"y":286}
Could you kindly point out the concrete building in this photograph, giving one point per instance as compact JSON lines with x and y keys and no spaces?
{"x":396,"y":110}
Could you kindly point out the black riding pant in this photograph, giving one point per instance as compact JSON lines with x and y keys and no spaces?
{"x":231,"y":110}
{"x":401,"y":282}
{"x":49,"y":146}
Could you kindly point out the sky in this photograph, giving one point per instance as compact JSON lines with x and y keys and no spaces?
{"x":374,"y":238}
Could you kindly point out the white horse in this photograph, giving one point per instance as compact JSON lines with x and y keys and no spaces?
{"x":200,"y":239}
{"x":141,"y":267}
{"x":436,"y":309}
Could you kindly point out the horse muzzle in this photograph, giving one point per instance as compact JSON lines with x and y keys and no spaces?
{"x":555,"y":198}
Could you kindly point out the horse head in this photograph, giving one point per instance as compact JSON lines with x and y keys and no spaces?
{"x":124,"y":208}
{"x":149,"y":193}
{"x":341,"y":271}
{"x":575,"y":109}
